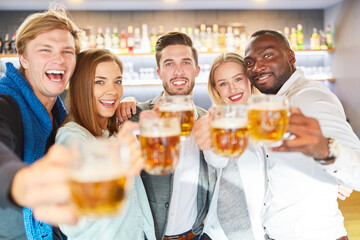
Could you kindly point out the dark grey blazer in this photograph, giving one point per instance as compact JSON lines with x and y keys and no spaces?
{"x":159,"y":188}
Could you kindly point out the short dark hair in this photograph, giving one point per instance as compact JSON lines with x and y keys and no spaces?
{"x":276,"y":34}
{"x":174,"y":38}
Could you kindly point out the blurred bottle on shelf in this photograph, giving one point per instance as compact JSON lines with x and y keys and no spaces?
{"x":293,"y":39}
{"x":12,"y":43}
{"x":222,"y":39}
{"x":123,"y":42}
{"x":287,"y":33}
{"x":84,"y":40}
{"x":203,"y":38}
{"x":100,"y":38}
{"x":130,"y":39}
{"x":323,"y":45}
{"x":107,"y":38}
{"x":6,"y":45}
{"x":209,"y":40}
{"x":230,"y":41}
{"x":160,"y":30}
{"x":115,"y":40}
{"x":137,"y":40}
{"x":216,"y":38}
{"x":153,"y":39}
{"x":237,"y":39}
{"x":315,"y":40}
{"x":196,"y":39}
{"x":145,"y":40}
{"x":329,"y":37}
{"x":300,"y":37}
{"x":190,"y":33}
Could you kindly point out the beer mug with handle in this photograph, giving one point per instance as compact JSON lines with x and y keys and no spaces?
{"x":229,"y":133}
{"x":182,"y":107}
{"x":160,"y":143}
{"x":268,"y":119}
{"x":98,"y":176}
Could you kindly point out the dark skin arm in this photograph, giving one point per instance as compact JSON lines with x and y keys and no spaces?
{"x":309,"y":138}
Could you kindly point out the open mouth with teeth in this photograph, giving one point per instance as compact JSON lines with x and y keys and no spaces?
{"x":263,"y":78}
{"x":179,"y":83}
{"x":236,"y":97}
{"x":107,"y":103}
{"x":55,"y":75}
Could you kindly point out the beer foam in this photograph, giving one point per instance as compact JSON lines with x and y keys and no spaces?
{"x":176,"y":108}
{"x":227,"y":123}
{"x":163,"y":133}
{"x":267,"y":106}
{"x":96,"y":173}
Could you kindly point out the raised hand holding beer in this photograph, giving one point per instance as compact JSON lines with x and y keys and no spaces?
{"x":160,"y":142}
{"x":229,"y":133}
{"x":268,"y":117}
{"x":99,"y":176}
{"x":182,"y":107}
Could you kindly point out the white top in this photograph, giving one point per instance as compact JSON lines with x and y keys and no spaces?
{"x":251,"y":167}
{"x":133,"y":222}
{"x":301,"y":199}
{"x":183,"y":203}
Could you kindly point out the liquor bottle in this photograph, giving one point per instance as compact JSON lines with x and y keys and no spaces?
{"x":137,"y":40}
{"x":153,"y":39}
{"x":293,"y":39}
{"x":183,"y":30}
{"x":197,"y":41}
{"x":145,"y":41}
{"x":222,"y":39}
{"x":130,"y":39}
{"x":287,"y":33}
{"x":230,"y":41}
{"x":107,"y":38}
{"x":300,"y":37}
{"x":237,"y":38}
{"x":329,"y":37}
{"x":115,"y":40}
{"x":1,"y":45}
{"x":100,"y":38}
{"x":315,"y":40}
{"x":12,"y":44}
{"x":84,"y":40}
{"x":323,"y":45}
{"x":190,"y":33}
{"x":216,"y":38}
{"x":6,"y":45}
{"x":244,"y":39}
{"x":203,"y":38}
{"x":123,"y":42}
{"x":209,"y":40}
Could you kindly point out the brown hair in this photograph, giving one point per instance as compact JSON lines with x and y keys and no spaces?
{"x":80,"y":97}
{"x":174,"y":38}
{"x":220,"y":59}
{"x":37,"y":23}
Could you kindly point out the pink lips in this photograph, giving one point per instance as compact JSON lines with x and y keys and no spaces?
{"x":236,"y":97}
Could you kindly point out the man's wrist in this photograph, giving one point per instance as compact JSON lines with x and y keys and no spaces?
{"x":333,"y":152}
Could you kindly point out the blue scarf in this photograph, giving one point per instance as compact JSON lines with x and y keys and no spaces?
{"x":37,"y":127}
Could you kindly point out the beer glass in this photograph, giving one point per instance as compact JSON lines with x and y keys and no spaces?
{"x":182,"y":107}
{"x":160,"y":144}
{"x":229,"y":134}
{"x":98,"y":176}
{"x":268,"y":117}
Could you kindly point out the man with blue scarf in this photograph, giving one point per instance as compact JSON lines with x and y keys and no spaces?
{"x":31,"y":112}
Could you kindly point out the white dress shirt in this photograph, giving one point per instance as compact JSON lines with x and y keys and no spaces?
{"x":301,"y":198}
{"x":183,"y":204}
{"x":251,"y":168}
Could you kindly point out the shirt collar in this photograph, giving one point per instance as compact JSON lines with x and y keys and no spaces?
{"x":294,"y":80}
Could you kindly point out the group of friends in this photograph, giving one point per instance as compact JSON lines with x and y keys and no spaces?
{"x":283,"y":193}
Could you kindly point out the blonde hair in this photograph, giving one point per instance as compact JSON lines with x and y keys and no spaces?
{"x":220,"y":59}
{"x":80,"y":97}
{"x":37,"y":23}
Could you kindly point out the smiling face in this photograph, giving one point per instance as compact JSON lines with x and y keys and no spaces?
{"x":49,"y":61}
{"x":177,"y":70}
{"x":231,"y":83}
{"x":107,"y":90}
{"x":269,"y":63}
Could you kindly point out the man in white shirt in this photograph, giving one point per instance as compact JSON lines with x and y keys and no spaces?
{"x":303,"y":174}
{"x":179,"y":202}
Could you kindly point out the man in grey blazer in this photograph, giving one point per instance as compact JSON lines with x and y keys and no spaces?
{"x":179,"y":201}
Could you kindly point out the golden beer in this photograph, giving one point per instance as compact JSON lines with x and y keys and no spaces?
{"x":268,"y":125}
{"x":186,"y":118}
{"x":99,"y":198}
{"x":229,"y":137}
{"x":161,"y":151}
